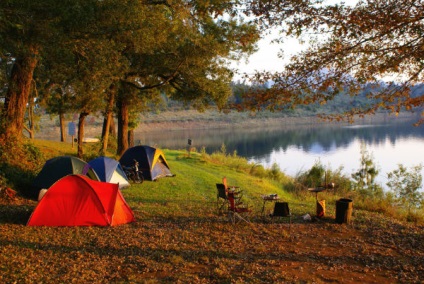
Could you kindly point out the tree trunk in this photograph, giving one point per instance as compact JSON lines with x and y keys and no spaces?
{"x":108,"y":119}
{"x":17,"y":96}
{"x":81,"y":120}
{"x":31,"y":122}
{"x":30,"y":132}
{"x":62,"y":127}
{"x":131,"y":138}
{"x":112,"y":128}
{"x":122,"y":125}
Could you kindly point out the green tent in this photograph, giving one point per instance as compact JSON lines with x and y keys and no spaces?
{"x":57,"y":168}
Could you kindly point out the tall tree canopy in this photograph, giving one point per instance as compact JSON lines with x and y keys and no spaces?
{"x":24,"y":29}
{"x":181,"y":50}
{"x":90,"y":45}
{"x":350,"y":46}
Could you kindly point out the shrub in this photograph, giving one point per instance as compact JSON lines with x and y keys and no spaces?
{"x":241,"y":164}
{"x":363,"y":180}
{"x":258,"y":170}
{"x":314,"y":177}
{"x":19,"y":163}
{"x":319,"y":176}
{"x":275,"y":172}
{"x":406,"y":185}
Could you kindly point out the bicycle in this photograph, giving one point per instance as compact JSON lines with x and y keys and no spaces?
{"x":133,"y":173}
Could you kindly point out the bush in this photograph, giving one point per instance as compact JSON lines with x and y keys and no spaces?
{"x":314,"y":177}
{"x":258,"y":170}
{"x":241,"y":164}
{"x":318,"y":176}
{"x":19,"y":164}
{"x":363,"y":180}
{"x":406,"y":185}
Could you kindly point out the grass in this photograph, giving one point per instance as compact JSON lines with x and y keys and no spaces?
{"x":179,"y":238}
{"x":194,"y":188}
{"x":194,"y":182}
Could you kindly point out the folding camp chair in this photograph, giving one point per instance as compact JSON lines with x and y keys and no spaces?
{"x":238,"y":193}
{"x":281,"y":209}
{"x":221,"y":198}
{"x":236,"y":189}
{"x":237,"y":212}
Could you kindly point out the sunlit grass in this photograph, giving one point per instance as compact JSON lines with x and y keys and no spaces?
{"x":193,"y":189}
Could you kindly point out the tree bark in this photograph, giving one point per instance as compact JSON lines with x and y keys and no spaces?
{"x":108,"y":119}
{"x":131,"y":138}
{"x":112,"y":128}
{"x":17,"y":96}
{"x":30,"y":132}
{"x":62,"y":127}
{"x":123,"y":116}
{"x":81,"y":121}
{"x":31,"y":121}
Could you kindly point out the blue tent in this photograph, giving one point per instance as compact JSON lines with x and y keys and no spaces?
{"x":109,"y":170}
{"x":151,"y":161}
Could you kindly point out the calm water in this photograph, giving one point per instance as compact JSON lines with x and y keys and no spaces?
{"x":296,"y":150}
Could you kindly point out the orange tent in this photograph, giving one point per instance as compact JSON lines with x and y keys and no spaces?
{"x":76,"y":200}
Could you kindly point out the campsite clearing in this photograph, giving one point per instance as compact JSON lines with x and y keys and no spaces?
{"x":199,"y":247}
{"x":177,"y":237}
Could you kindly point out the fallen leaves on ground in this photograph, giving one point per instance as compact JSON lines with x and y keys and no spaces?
{"x":209,"y":249}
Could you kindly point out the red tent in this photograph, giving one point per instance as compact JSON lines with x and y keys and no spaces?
{"x":76,"y":200}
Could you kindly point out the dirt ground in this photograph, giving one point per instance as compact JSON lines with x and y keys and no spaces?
{"x":209,"y":249}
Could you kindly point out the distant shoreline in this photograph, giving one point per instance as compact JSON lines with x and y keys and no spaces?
{"x":284,"y":122}
{"x":182,"y":120}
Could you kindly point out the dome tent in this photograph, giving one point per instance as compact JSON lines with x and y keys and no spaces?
{"x":109,"y":170}
{"x":76,"y":200}
{"x":58,"y":167}
{"x":151,"y":161}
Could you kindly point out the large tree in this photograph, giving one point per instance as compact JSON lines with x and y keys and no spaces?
{"x":25,"y":28}
{"x":143,"y":44}
{"x":85,"y":60}
{"x":350,"y":46}
{"x":187,"y":60}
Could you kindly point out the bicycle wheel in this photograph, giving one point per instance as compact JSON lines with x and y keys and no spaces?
{"x":138,"y":178}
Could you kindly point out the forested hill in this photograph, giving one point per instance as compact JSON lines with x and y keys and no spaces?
{"x":341,"y":103}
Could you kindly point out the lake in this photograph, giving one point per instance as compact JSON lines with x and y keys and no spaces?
{"x":297,"y":149}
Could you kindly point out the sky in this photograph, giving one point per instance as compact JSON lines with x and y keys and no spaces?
{"x":266,"y":58}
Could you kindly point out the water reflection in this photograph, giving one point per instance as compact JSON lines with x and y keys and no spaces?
{"x":260,"y":142}
{"x":298,"y":149}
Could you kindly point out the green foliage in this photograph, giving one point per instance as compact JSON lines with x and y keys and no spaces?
{"x":19,"y":163}
{"x":275,"y":172}
{"x":26,"y":156}
{"x":314,"y":177}
{"x":342,"y":182}
{"x":364,"y":178}
{"x":91,"y":151}
{"x":319,"y":176}
{"x":406,"y":185}
{"x":241,"y":164}
{"x":223,"y":149}
{"x":258,"y":170}
{"x":154,"y":48}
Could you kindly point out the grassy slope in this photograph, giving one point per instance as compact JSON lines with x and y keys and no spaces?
{"x":194,"y":184}
{"x":178,"y":238}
